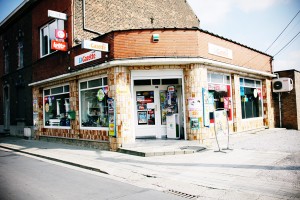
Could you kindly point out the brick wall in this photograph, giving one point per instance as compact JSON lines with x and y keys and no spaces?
{"x":185,"y":43}
{"x":290,"y":102}
{"x":17,"y":78}
{"x":105,"y":15}
{"x":40,"y":18}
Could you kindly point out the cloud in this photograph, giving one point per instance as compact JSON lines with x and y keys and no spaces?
{"x":257,"y":5}
{"x":210,"y":11}
{"x":214,"y":12}
{"x":290,"y":60}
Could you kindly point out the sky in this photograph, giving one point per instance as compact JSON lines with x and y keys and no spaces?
{"x":257,"y":24}
{"x":254,"y":23}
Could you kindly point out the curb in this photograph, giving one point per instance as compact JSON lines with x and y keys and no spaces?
{"x":57,"y":160}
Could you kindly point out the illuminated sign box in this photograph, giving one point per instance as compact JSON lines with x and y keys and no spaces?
{"x":98,"y":46}
{"x":57,"y":15}
{"x":87,"y":57}
{"x":58,"y":45}
{"x":60,"y":34}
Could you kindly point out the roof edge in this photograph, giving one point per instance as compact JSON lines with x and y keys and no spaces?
{"x":154,"y":61}
{"x":13,"y":12}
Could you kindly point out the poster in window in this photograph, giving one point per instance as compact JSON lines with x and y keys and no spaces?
{"x":195,"y":125}
{"x":151,"y":117}
{"x":194,"y":104}
{"x":142,"y":117}
{"x":242,"y":89}
{"x":227,"y":103}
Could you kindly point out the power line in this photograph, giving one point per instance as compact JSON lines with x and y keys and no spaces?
{"x":287,"y":44}
{"x":282,"y":31}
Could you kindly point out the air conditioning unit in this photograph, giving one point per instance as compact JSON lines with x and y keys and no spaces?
{"x":282,"y":85}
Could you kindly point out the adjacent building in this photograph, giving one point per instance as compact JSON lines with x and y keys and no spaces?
{"x":290,"y":102}
{"x":157,"y":74}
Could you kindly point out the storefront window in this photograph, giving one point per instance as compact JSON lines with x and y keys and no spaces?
{"x":57,"y":106}
{"x":219,"y":94}
{"x":251,"y":98}
{"x":93,"y":103}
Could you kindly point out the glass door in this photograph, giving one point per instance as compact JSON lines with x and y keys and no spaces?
{"x":150,"y":111}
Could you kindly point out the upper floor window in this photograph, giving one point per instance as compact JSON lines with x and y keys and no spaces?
{"x":6,"y":61}
{"x":20,"y":54}
{"x":47,"y":33}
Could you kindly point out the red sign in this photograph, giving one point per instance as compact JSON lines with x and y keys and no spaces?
{"x":60,"y":46}
{"x":60,"y":34}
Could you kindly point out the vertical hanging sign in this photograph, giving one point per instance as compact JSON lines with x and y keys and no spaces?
{"x":111,"y":117}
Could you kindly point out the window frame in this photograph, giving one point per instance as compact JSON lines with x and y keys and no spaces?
{"x":57,"y":22}
{"x":20,"y":54}
{"x":56,"y":94}
{"x":86,"y":89}
{"x":242,"y":84}
{"x":6,"y":61}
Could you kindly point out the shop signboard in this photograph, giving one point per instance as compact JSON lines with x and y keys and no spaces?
{"x":87,"y":57}
{"x":93,"y":45}
{"x":219,"y":51}
{"x":111,"y":117}
{"x":59,"y":45}
{"x":57,"y":15}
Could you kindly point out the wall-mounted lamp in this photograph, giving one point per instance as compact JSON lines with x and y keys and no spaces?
{"x":155,"y":37}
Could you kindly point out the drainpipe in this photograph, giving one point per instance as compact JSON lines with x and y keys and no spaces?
{"x":279,"y":102}
{"x":84,"y":27}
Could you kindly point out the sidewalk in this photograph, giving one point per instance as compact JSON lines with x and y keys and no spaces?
{"x":250,"y":171}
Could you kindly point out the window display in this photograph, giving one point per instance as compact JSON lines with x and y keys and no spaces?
{"x":57,"y":106}
{"x":220,"y":94}
{"x":251,"y":98}
{"x":145,"y":107}
{"x":93,"y":104}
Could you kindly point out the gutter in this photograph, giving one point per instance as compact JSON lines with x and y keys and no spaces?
{"x":156,"y":61}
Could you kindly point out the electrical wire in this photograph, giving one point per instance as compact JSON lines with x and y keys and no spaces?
{"x":287,"y":44}
{"x":282,"y":31}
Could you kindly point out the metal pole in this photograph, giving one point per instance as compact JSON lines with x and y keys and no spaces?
{"x":280,"y":120}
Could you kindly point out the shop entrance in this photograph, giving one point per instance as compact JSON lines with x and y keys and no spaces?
{"x":155,"y":100}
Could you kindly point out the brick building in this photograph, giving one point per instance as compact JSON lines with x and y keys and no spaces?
{"x":164,"y":74}
{"x":290,"y":102}
{"x":16,"y":71}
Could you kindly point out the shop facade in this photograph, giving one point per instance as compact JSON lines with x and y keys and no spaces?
{"x":157,"y":88}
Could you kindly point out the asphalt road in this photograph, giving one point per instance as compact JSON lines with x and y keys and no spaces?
{"x":25,"y":178}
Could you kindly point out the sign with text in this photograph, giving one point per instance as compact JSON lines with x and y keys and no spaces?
{"x":87,"y":57}
{"x":98,"y":46}
{"x":58,"y":45}
{"x":219,"y":51}
{"x":57,"y":15}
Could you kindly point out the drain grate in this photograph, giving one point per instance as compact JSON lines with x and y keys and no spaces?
{"x":182,"y":194}
{"x":193,"y":148}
